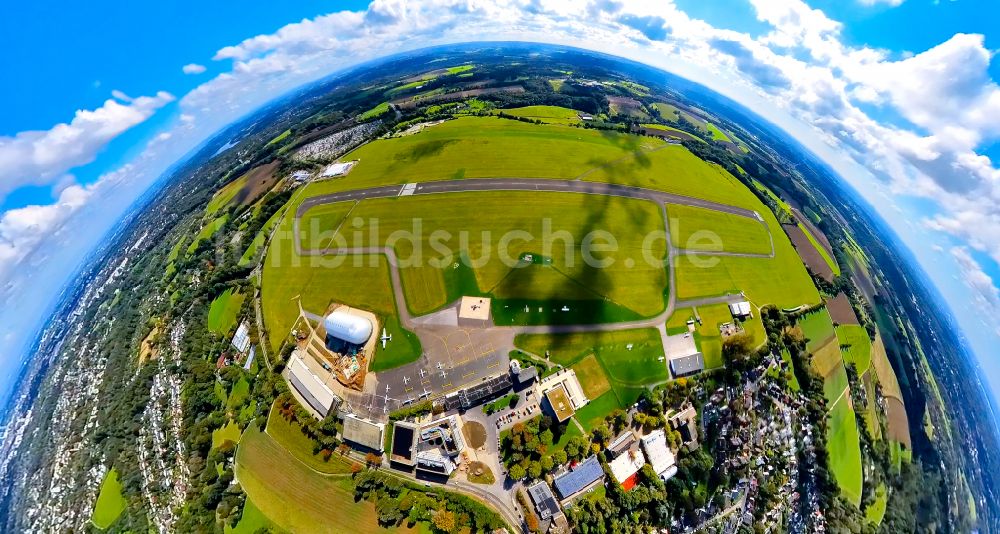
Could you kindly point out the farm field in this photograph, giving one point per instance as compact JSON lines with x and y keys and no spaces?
{"x":811,"y":255}
{"x":251,"y":522}
{"x":831,"y":263}
{"x":835,"y":386}
{"x":671,"y":112}
{"x":110,"y":501}
{"x":547,"y":114}
{"x":841,"y":311}
{"x":843,"y":443}
{"x":223,"y":312}
{"x":296,"y":498}
{"x":793,"y":381}
{"x":707,"y":230}
{"x":258,"y":241}
{"x":564,"y":274}
{"x":883,"y":370}
{"x":376,"y":111}
{"x":876,"y":510}
{"x":817,"y":327}
{"x":827,"y":358}
{"x":669,"y":131}
{"x":224,"y":196}
{"x":856,"y":346}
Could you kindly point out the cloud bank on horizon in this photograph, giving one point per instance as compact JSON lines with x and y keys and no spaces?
{"x":800,"y":74}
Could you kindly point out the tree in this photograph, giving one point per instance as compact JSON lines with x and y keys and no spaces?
{"x":535,"y":469}
{"x":444,"y":521}
{"x":516,"y":472}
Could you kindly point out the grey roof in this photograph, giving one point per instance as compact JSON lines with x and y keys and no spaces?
{"x":308,"y":396}
{"x":586,"y":473}
{"x":527,"y":374}
{"x":362,"y":432}
{"x":686,"y":365}
{"x":479,"y":393}
{"x":545,"y":501}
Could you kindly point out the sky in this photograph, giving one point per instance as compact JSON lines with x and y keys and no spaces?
{"x":900,"y":97}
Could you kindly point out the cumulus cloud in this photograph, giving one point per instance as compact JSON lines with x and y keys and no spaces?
{"x":193,"y":68}
{"x":985,"y":293}
{"x":41,"y":157}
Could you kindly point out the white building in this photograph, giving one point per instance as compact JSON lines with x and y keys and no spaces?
{"x":659,"y":455}
{"x":741,"y":310}
{"x":625,"y":466}
{"x":348,"y":327}
{"x":310,"y":387}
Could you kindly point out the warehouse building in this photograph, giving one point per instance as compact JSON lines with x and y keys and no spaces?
{"x":364,"y":433}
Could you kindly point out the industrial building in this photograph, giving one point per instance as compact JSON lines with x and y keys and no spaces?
{"x":578,"y":480}
{"x":687,"y":365}
{"x":337,"y":169}
{"x":741,"y":310}
{"x":479,"y":393}
{"x":404,"y":443}
{"x":241,"y":339}
{"x":625,"y":467}
{"x":362,"y":432}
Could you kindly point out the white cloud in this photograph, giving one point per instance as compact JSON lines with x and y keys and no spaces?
{"x":193,"y":68}
{"x":890,"y":3}
{"x":985,"y":293}
{"x":40,"y":157}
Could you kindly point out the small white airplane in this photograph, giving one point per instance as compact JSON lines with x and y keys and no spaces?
{"x":440,"y":366}
{"x":406,"y":380}
{"x":444,"y":374}
{"x":387,"y":389}
{"x":385,"y":338}
{"x":423,"y":373}
{"x":426,"y":393}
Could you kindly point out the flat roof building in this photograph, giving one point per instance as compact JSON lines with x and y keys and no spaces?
{"x":477,"y":394}
{"x":626,"y":466}
{"x":583,"y":477}
{"x":337,"y":169}
{"x":404,"y":443}
{"x":687,"y":365}
{"x":741,"y":309}
{"x":543,"y":499}
{"x":364,"y":432}
{"x":563,"y":393}
{"x":310,"y":387}
{"x":658,"y":453}
{"x":241,"y":339}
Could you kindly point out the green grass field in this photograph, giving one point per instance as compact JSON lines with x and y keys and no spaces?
{"x":681,"y":133}
{"x":793,"y":381}
{"x":782,"y":280}
{"x":258,"y":241}
{"x":223,"y":312}
{"x":876,"y":510}
{"x":546,"y":114}
{"x":238,"y":394}
{"x":827,"y":358}
{"x":821,"y":249}
{"x":547,"y":219}
{"x":716,"y":133}
{"x":296,"y":498}
{"x":207,"y":232}
{"x":110,"y":501}
{"x":626,"y":371}
{"x":459,"y":69}
{"x":702,"y":229}
{"x":856,"y":346}
{"x":375,"y":112}
{"x":229,"y":432}
{"x":817,"y":327}
{"x":671,"y":112}
{"x":835,"y":386}
{"x":844,"y":447}
{"x":251,"y":522}
{"x":593,"y":414}
{"x":485,"y":147}
{"x":289,"y":435}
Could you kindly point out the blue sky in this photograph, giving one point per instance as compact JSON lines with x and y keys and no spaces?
{"x":98,"y":104}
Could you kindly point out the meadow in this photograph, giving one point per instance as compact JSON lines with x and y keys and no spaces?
{"x":673,"y":113}
{"x":207,"y":232}
{"x":817,"y":327}
{"x":289,"y":435}
{"x":708,"y":230}
{"x":223,"y":312}
{"x":716,"y":133}
{"x":110,"y":501}
{"x":843,"y":443}
{"x":230,"y":432}
{"x":832,"y":263}
{"x":224,"y":196}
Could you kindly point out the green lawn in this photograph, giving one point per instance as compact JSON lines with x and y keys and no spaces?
{"x":673,"y":113}
{"x":835,"y":386}
{"x":279,"y":138}
{"x":856,"y":346}
{"x":223,"y":312}
{"x":593,"y":414}
{"x":110,"y":502}
{"x":459,"y":69}
{"x":793,"y":381}
{"x":716,"y":133}
{"x":845,"y":451}
{"x":403,"y":349}
{"x":207,"y":232}
{"x":375,"y":112}
{"x":592,"y":377}
{"x":546,"y":114}
{"x":637,"y":367}
{"x":258,"y":241}
{"x":681,"y":134}
{"x":714,"y":231}
{"x":238,"y":395}
{"x":229,"y":432}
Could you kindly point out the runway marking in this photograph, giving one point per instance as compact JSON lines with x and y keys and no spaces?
{"x":467,"y":375}
{"x":448,"y":385}
{"x":407,"y":390}
{"x":492,"y":365}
